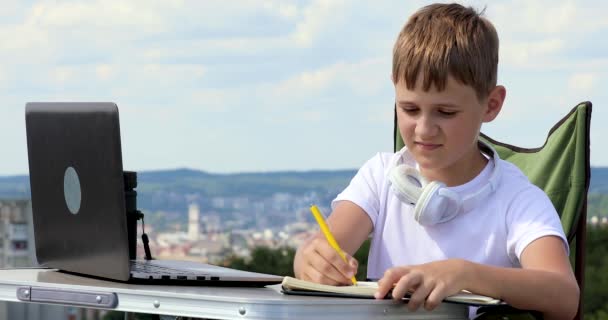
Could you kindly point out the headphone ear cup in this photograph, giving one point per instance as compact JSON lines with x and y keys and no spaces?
{"x":437,"y":204}
{"x":407,"y":183}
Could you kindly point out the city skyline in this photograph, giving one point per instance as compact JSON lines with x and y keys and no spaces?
{"x":254,"y":86}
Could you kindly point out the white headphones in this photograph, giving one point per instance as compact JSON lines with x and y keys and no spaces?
{"x":434,"y":202}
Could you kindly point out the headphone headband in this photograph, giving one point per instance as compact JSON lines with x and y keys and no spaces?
{"x":434,"y":202}
{"x":469,"y":201}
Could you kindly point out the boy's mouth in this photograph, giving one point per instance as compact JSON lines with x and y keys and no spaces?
{"x":427,"y":146}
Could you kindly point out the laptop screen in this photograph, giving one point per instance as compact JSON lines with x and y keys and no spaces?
{"x":77,"y":188}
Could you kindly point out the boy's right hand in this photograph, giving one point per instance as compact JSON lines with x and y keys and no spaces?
{"x":318,"y":262}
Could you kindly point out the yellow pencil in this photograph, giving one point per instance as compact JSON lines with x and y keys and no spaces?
{"x":330,"y":238}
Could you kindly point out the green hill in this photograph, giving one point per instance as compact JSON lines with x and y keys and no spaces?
{"x":172,"y":190}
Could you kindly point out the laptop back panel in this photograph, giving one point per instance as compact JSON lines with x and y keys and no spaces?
{"x":77,"y":187}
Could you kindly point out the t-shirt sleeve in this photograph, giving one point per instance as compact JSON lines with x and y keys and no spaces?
{"x":364,"y":188}
{"x":530,"y":216}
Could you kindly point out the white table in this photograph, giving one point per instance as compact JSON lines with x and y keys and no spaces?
{"x":51,"y":287}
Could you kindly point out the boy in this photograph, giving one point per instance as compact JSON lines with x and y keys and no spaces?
{"x":500,"y":235}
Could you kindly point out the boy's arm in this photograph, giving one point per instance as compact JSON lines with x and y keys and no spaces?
{"x":317,"y":261}
{"x":544,"y":283}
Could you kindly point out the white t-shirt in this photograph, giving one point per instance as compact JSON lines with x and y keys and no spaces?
{"x":495,"y":232}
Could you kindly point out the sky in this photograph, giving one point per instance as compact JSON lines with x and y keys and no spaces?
{"x":257,"y":86}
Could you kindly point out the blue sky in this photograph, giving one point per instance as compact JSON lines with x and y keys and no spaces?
{"x":233,"y":86}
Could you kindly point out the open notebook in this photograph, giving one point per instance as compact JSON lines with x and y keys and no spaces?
{"x":366,"y":289}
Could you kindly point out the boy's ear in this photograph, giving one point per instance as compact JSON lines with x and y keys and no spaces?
{"x":494,"y":104}
{"x":393,"y":78}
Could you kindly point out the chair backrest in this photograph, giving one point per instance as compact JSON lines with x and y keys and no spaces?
{"x":561,"y":168}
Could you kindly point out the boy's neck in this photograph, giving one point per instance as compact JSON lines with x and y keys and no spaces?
{"x":465,"y":170}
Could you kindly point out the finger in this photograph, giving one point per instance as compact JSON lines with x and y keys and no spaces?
{"x":390,"y":277}
{"x":324,"y":272}
{"x":328,"y":270}
{"x":408,"y":283}
{"x":435,"y":297}
{"x":313,"y":275}
{"x":352,"y":262}
{"x":419,"y":296}
{"x":315,"y":266}
{"x":332,"y":256}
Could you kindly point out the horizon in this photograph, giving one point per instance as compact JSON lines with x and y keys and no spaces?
{"x":244,"y":172}
{"x":217,"y":173}
{"x":275,"y":86}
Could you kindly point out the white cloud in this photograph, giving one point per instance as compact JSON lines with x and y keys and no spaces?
{"x":215,"y":100}
{"x":3,"y":76}
{"x":531,"y":52}
{"x":203,"y":72}
{"x":202,"y":49}
{"x":172,"y":72}
{"x":98,"y":14}
{"x":544,"y":33}
{"x":133,"y":28}
{"x":547,"y":17}
{"x":582,"y":82}
{"x":285,"y":10}
{"x":317,"y":19}
{"x":307,"y":83}
{"x":344,"y":80}
{"x":18,"y":39}
{"x":61,"y":75}
{"x":105,"y":71}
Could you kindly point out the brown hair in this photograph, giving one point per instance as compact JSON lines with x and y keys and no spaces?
{"x":447,"y":39}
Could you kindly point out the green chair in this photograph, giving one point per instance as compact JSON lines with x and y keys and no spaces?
{"x":561,"y":168}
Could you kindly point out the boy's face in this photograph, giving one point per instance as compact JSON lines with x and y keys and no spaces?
{"x":440,"y":128}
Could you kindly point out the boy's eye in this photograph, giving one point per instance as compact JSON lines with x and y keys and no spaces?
{"x":447,"y":113}
{"x":409,"y":110}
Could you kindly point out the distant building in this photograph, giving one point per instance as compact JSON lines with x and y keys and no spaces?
{"x":597,"y":221}
{"x":16,"y":234}
{"x":594,"y":220}
{"x":193,"y":222}
{"x":211,"y":222}
{"x":17,"y":250}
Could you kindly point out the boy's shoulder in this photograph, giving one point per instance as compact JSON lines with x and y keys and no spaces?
{"x":512,"y":172}
{"x":388,"y":159}
{"x":513,"y":181}
{"x":384,"y":161}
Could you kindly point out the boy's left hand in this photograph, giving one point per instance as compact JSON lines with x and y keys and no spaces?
{"x":428,"y":283}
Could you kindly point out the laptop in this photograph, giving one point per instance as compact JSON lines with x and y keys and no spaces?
{"x":78,"y":201}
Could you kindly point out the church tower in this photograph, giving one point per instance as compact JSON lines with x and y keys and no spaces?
{"x":193,"y":222}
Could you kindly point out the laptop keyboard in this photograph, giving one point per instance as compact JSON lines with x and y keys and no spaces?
{"x":144,"y":270}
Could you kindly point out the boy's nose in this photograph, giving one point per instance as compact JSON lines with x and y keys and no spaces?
{"x":426,"y":127}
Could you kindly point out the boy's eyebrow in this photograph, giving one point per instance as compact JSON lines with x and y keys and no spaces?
{"x":446,"y":104}
{"x":438,"y":104}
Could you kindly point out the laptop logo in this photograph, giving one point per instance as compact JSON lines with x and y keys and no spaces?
{"x":71,"y":190}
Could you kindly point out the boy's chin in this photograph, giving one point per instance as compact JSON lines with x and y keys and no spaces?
{"x":429,"y":164}
{"x":428,"y":167}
